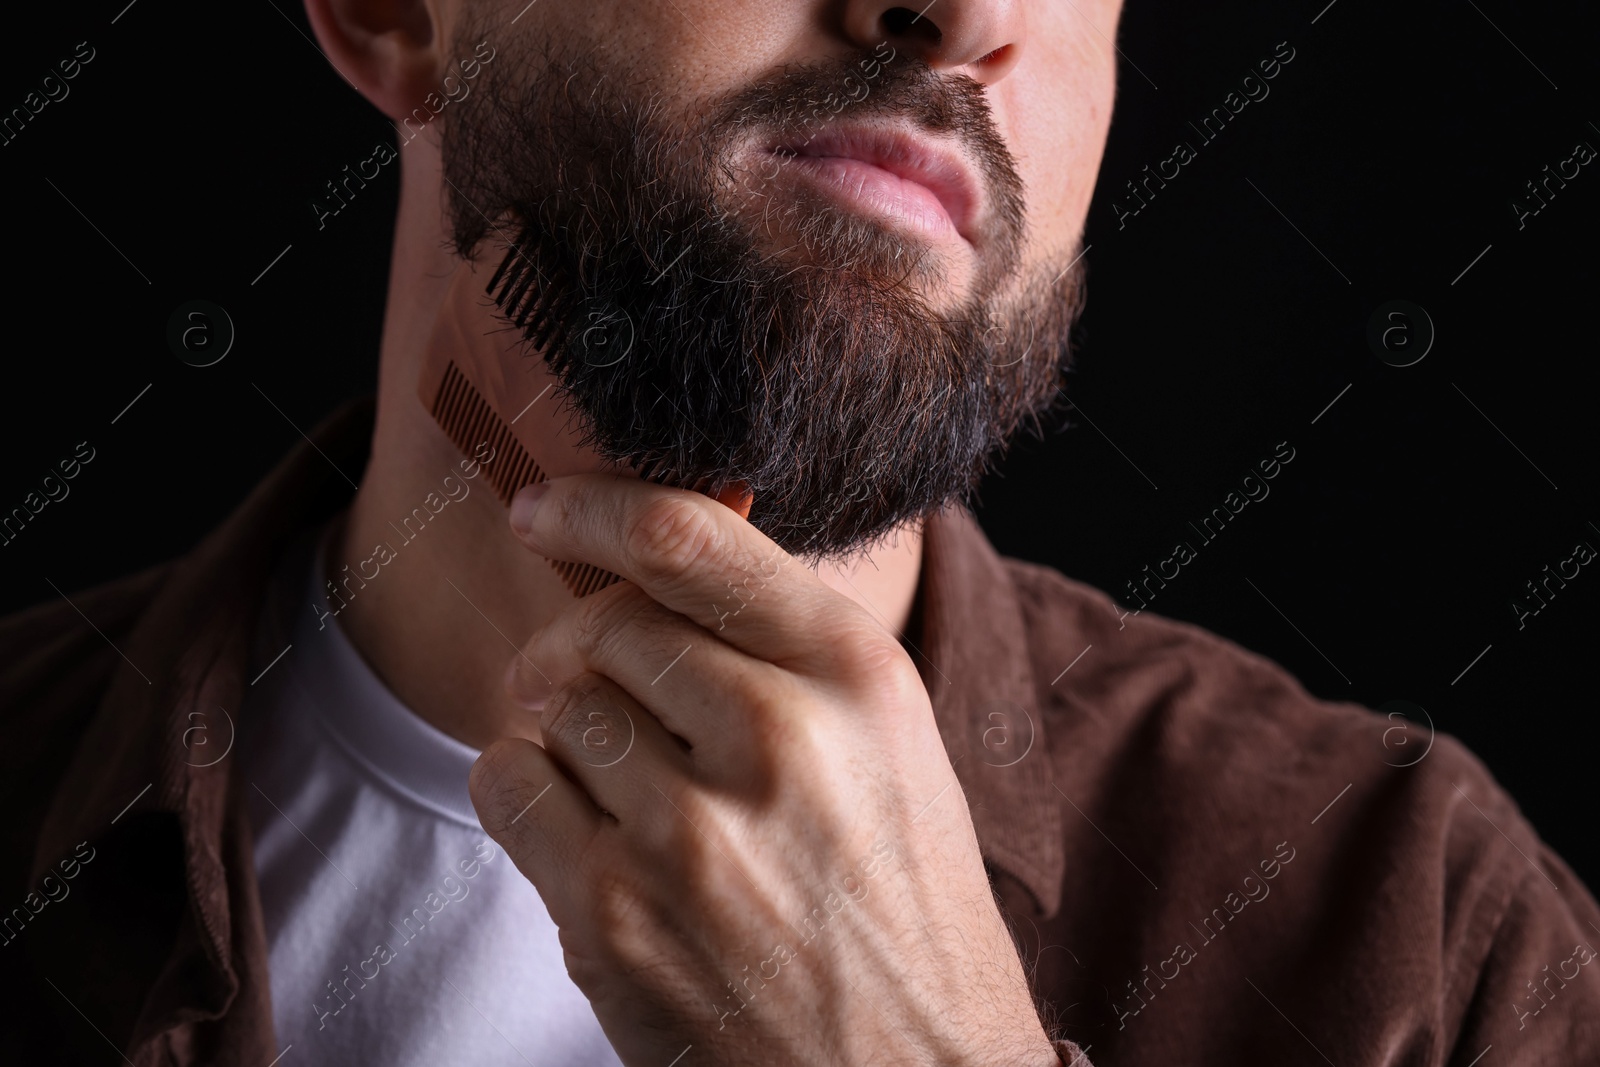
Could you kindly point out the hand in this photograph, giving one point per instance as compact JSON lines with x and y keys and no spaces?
{"x":742,"y":817}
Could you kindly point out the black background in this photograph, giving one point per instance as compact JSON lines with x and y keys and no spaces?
{"x":1224,"y":317}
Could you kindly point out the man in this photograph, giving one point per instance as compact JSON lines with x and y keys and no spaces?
{"x":823,"y":779}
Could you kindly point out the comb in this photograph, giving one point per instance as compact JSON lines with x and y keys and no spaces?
{"x":468,"y":397}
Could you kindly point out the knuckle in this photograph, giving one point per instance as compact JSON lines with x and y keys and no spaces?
{"x":899,"y":685}
{"x":670,"y":535}
{"x":867,"y":652}
{"x":602,"y":621}
{"x":675,"y":834}
{"x":624,"y":917}
{"x":585,"y":964}
{"x":877,"y":669}
{"x":756,"y":693}
{"x":498,"y":776}
{"x":590,"y":625}
{"x":518,"y":799}
{"x":616,"y":904}
{"x":803,"y":740}
{"x":689,"y":849}
{"x":562,"y":718}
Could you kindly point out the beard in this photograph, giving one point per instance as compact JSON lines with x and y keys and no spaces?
{"x":715,"y":332}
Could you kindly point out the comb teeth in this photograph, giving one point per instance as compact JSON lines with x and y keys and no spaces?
{"x":468,"y":420}
{"x":542,"y":311}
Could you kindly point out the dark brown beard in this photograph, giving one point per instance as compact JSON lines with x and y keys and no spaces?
{"x":703,"y":352}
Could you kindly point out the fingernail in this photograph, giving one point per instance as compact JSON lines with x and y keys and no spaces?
{"x":519,"y":693}
{"x":524,"y":504}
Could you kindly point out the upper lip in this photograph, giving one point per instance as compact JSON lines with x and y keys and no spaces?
{"x":944,"y":172}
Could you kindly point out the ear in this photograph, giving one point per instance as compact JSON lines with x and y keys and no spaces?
{"x":392,"y":51}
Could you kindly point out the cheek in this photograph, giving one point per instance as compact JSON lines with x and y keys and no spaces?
{"x":1055,"y":111}
{"x":686,"y":50}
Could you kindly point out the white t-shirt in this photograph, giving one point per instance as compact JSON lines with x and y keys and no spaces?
{"x":398,"y":932}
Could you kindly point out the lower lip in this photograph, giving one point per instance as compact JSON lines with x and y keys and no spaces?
{"x":877,"y":191}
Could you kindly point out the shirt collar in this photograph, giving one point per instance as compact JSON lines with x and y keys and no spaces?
{"x":326,"y":680}
{"x":986,"y":699}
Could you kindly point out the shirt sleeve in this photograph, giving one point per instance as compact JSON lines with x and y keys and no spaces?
{"x":1536,"y":997}
{"x":1071,"y":1055}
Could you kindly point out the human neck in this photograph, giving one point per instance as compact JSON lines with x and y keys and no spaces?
{"x":458,"y":595}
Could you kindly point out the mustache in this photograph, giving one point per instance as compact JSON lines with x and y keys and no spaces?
{"x":799,"y":101}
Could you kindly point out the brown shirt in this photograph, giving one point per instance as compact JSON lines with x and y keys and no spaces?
{"x":1200,"y":862}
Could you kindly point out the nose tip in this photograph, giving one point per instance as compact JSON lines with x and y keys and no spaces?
{"x":981,"y":40}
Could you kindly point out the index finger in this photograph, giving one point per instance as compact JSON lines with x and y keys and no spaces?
{"x":690,"y":553}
